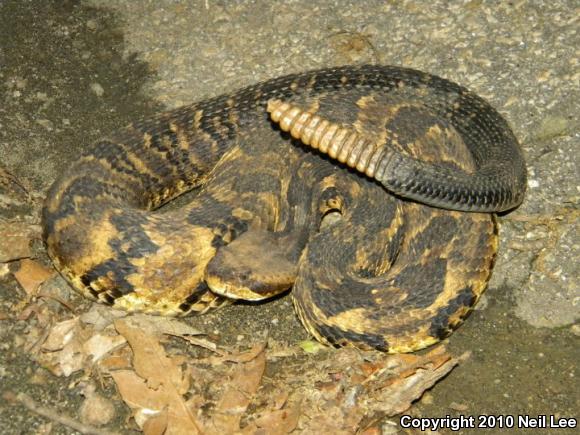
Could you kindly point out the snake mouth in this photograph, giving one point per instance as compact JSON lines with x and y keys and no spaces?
{"x":238,"y":291}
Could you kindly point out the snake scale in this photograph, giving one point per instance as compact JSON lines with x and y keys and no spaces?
{"x":377,"y":256}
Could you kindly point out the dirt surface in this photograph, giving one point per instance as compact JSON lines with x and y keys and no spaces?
{"x":73,"y":71}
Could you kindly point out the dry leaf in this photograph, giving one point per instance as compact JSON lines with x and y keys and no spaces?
{"x":280,"y":399}
{"x":119,"y":359}
{"x":150,"y":361}
{"x":157,"y":384}
{"x":31,"y":275}
{"x":156,"y":425}
{"x":238,"y":392}
{"x":15,"y":240}
{"x":101,"y":316}
{"x":60,"y":335}
{"x":100,"y":345}
{"x":71,"y":345}
{"x":398,"y":396}
{"x":63,"y":349}
{"x":145,"y":402}
{"x":279,"y":422}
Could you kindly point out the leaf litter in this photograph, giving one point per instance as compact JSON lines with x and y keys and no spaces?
{"x":239,"y":390}
{"x":176,"y":380}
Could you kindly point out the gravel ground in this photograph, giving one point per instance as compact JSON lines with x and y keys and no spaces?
{"x":72,"y":71}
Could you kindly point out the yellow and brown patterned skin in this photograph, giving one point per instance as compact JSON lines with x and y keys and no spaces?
{"x":368,"y":268}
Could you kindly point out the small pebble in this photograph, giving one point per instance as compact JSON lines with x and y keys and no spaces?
{"x":427,"y":399}
{"x":461,"y":407}
{"x":97,"y":410}
{"x":97,"y":89}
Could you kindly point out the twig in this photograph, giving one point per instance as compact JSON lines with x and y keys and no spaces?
{"x":33,"y":347}
{"x":52,"y":415}
{"x":206,"y":344}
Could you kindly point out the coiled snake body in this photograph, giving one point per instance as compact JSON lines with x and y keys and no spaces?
{"x":370,"y":263}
